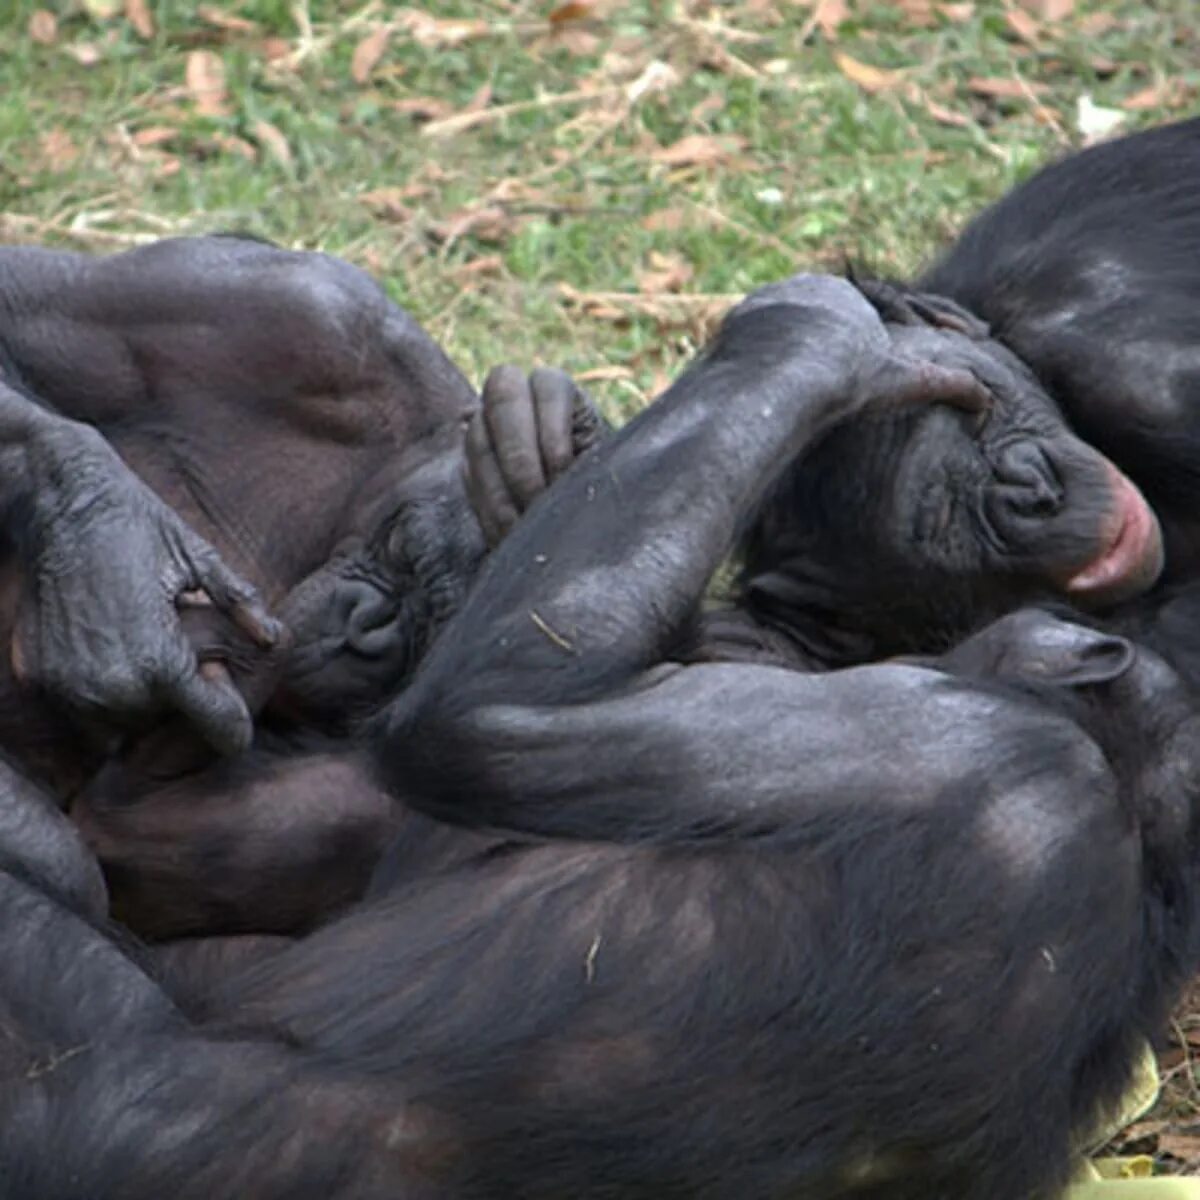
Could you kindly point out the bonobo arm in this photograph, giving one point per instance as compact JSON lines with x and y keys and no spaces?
{"x":545,"y":705}
{"x":104,"y":564}
{"x":105,"y":1089}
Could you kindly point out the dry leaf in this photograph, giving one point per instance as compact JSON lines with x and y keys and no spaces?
{"x":489,"y":264}
{"x":870,"y":79}
{"x":168,"y":166}
{"x":43,"y":27}
{"x":713,"y":103}
{"x":216,"y":17}
{"x":275,"y":48}
{"x":918,"y":12}
{"x":1049,"y":10}
{"x":1024,"y":26}
{"x":1170,"y":93}
{"x":486,"y":224}
{"x":945,"y":116}
{"x":137,"y":13}
{"x":58,"y":150}
{"x":101,"y":10}
{"x":423,"y":108}
{"x":958,"y":13}
{"x":608,"y":374}
{"x":699,"y":150}
{"x":154,"y":135}
{"x":235,"y":145}
{"x":86,"y":54}
{"x":273,"y":142}
{"x":387,"y":203}
{"x":1185,"y":1146}
{"x":575,"y":41}
{"x":1097,"y":23}
{"x":665,"y":273}
{"x":573,"y":10}
{"x":668,"y":220}
{"x":479,"y":101}
{"x":205,"y":81}
{"x":1004,"y":89}
{"x":435,"y":32}
{"x":367,"y":54}
{"x":829,"y":15}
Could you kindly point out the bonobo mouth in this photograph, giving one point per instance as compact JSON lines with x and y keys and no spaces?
{"x":1133,"y":555}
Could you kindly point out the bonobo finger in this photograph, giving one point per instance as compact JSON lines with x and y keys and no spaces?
{"x":508,"y":408}
{"x":911,"y":383}
{"x":239,"y":600}
{"x":555,"y":397}
{"x":215,"y":708}
{"x":486,"y":489}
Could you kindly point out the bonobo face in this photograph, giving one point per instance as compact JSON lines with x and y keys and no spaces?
{"x":361,"y":623}
{"x":906,"y":532}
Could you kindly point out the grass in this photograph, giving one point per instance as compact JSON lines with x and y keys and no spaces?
{"x":482,"y":232}
{"x":595,"y":232}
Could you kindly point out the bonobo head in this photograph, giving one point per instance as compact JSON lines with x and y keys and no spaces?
{"x":361,"y":623}
{"x":903,"y":532}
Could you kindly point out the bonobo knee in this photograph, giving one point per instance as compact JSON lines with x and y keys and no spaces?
{"x":341,"y":302}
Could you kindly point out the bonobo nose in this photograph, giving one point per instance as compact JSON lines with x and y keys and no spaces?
{"x":1032,"y":485}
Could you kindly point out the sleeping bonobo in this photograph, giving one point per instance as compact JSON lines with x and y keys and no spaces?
{"x":301,"y":429}
{"x":904,"y":533}
{"x":889,"y":931}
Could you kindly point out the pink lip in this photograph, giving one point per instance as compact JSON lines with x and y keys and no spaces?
{"x":1133,"y":558}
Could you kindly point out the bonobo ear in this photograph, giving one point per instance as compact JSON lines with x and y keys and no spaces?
{"x":1091,"y":659}
{"x":900,"y":306}
{"x":1034,"y":645}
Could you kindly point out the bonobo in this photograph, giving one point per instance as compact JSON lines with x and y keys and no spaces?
{"x":814,"y":891}
{"x":284,"y":409}
{"x":749,"y":923}
{"x":285,"y":413}
{"x":1089,"y":271}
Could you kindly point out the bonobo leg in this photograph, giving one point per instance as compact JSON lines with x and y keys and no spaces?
{"x":271,"y":843}
{"x":107,"y":339}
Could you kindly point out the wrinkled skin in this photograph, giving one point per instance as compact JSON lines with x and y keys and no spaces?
{"x":104,"y":563}
{"x":647,"y":991}
{"x":1088,"y":271}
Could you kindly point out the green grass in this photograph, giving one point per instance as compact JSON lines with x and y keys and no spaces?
{"x":826,"y":171}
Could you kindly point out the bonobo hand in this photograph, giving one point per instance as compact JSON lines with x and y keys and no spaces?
{"x":105,"y":564}
{"x":527,"y":432}
{"x":839,"y":340}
